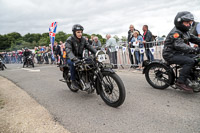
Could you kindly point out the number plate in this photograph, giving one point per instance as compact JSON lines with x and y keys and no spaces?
{"x":101,"y":57}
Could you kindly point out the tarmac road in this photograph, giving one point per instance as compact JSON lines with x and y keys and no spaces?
{"x":145,"y":110}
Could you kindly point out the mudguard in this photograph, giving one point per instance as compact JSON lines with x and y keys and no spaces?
{"x":147,"y":64}
{"x":107,"y":70}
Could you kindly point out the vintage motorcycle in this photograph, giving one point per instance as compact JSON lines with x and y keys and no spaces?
{"x":29,"y":61}
{"x":160,"y":74}
{"x":92,"y":74}
{"x":2,"y":65}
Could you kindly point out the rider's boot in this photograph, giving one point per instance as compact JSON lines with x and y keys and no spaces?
{"x":75,"y":85}
{"x":184,"y":86}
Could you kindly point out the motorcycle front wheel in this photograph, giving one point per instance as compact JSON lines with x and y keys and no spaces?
{"x":112,"y":91}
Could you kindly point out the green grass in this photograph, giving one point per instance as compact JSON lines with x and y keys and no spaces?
{"x":2,"y":103}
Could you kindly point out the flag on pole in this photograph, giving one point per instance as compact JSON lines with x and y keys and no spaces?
{"x":52,"y":35}
{"x":152,"y":50}
{"x":124,"y":49}
{"x":132,"y":51}
{"x":117,"y":48}
{"x":142,"y":50}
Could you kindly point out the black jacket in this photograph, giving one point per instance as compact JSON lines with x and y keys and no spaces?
{"x":177,"y":43}
{"x":26,"y":53}
{"x":148,"y":38}
{"x":57,"y":50}
{"x":74,"y":47}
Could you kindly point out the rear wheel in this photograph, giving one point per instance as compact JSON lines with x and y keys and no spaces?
{"x":158,"y":76}
{"x":66,"y":76}
{"x":113,"y":91}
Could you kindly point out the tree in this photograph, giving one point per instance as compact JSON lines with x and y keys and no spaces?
{"x":32,"y":37}
{"x":15,"y":35}
{"x":116,"y":37}
{"x":4,"y":42}
{"x":124,"y":39}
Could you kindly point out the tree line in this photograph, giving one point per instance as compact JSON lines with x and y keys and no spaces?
{"x":15,"y":41}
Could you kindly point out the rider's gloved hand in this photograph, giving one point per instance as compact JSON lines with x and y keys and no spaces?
{"x":76,"y":61}
{"x":196,"y":50}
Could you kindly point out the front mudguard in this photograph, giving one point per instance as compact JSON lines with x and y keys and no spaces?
{"x":147,"y":64}
{"x":97,"y":81}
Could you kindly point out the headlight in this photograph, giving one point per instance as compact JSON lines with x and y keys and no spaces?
{"x":100,"y":56}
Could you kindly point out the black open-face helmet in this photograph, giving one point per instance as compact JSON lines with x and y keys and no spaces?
{"x":181,"y":17}
{"x":77,"y":27}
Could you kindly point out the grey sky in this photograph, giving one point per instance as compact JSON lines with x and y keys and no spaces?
{"x":97,"y":16}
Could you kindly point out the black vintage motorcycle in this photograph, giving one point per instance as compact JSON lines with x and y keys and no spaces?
{"x":160,"y":74}
{"x":92,"y":74}
{"x":28,"y":62}
{"x":2,"y":65}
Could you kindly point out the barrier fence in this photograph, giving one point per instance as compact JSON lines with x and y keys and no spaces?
{"x":123,"y":59}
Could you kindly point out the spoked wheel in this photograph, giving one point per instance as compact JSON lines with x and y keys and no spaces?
{"x":113,"y":91}
{"x":67,"y":77}
{"x":158,"y":76}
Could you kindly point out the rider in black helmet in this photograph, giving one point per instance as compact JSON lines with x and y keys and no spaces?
{"x":26,"y":54}
{"x":177,"y":49}
{"x":75,"y":45}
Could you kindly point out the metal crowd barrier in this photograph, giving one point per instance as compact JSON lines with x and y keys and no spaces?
{"x":123,"y":59}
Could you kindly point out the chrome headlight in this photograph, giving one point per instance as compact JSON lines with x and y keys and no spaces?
{"x":100,"y":56}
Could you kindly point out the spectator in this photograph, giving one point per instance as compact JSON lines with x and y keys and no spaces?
{"x":46,"y":57}
{"x":20,"y":54}
{"x":39,"y":55}
{"x":136,"y":42}
{"x":90,"y":41}
{"x":62,"y":49}
{"x":110,"y":46}
{"x":36,"y":54}
{"x":130,"y":36}
{"x":50,"y":54}
{"x":147,"y":37}
{"x":96,"y":43}
{"x":13,"y":58}
{"x":57,"y":52}
{"x":195,"y":30}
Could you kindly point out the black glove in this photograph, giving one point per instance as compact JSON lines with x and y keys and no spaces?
{"x":76,"y":61}
{"x":196,"y":50}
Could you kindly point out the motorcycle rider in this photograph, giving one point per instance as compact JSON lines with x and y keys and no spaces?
{"x":75,"y":45}
{"x":177,"y":49}
{"x":26,"y":54}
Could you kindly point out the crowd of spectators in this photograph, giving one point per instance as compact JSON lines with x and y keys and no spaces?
{"x":43,"y":54}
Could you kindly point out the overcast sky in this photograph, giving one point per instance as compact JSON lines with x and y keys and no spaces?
{"x":97,"y":16}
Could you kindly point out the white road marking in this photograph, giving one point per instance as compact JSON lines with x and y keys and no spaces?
{"x":31,"y":70}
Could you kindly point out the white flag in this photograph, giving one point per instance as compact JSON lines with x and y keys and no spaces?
{"x":162,"y":46}
{"x":135,"y":44}
{"x":124,"y":49}
{"x":117,"y":48}
{"x":142,"y":50}
{"x":132,"y":51}
{"x":152,"y":50}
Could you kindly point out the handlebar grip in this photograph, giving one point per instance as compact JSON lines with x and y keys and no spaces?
{"x":77,"y":62}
